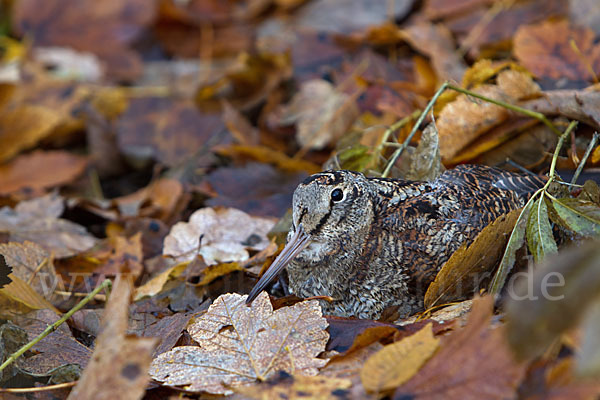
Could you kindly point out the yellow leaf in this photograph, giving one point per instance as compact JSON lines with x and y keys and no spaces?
{"x":398,"y":362}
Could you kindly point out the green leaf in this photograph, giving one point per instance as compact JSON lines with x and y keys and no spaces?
{"x":539,"y":231}
{"x":514,"y":243}
{"x":580,"y":216}
{"x":355,"y":158}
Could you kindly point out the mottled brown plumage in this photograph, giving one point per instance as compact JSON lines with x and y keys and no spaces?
{"x":372,"y":243}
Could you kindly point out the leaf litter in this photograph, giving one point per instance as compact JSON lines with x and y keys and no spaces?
{"x":239,"y":344}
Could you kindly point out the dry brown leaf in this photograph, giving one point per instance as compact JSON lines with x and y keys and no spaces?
{"x":19,"y":298}
{"x":33,"y":265}
{"x":155,"y":285}
{"x":159,"y":199}
{"x":472,"y":363}
{"x":40,"y":170}
{"x":239,"y":126}
{"x":582,"y":105}
{"x":23,"y":127}
{"x":57,"y":349}
{"x":469,"y":265}
{"x":37,"y":221}
{"x":109,"y":28}
{"x":321,"y":113}
{"x":125,"y":256}
{"x":240,"y":344}
{"x":398,"y":362}
{"x":297,"y":387}
{"x":267,"y":155}
{"x":465,"y":119}
{"x":119,"y":363}
{"x":436,"y":42}
{"x":547,"y":50}
{"x":226,"y":234}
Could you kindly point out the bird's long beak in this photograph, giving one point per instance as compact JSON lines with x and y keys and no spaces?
{"x":295,"y":245}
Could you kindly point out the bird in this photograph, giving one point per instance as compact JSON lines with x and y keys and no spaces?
{"x":371,"y":243}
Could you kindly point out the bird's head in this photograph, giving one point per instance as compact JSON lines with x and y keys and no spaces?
{"x":325,"y":206}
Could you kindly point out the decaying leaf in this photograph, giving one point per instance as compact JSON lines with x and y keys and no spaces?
{"x":296,"y":387}
{"x":472,"y":363}
{"x":547,"y":51}
{"x":38,"y":221}
{"x":396,"y":363}
{"x":119,"y":363}
{"x":580,"y":216}
{"x":240,"y":344}
{"x":52,"y":168}
{"x":322,"y":114}
{"x":423,"y":163}
{"x":468,"y":266}
{"x":219,"y":235}
{"x":57,"y":349}
{"x":539,"y":231}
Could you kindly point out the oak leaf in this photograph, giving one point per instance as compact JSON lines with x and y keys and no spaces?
{"x":240,"y":344}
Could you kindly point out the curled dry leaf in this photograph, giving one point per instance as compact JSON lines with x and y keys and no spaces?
{"x":37,"y":220}
{"x":398,"y":362}
{"x":240,"y":344}
{"x":226,"y":235}
{"x":322,"y":114}
{"x":465,"y":119}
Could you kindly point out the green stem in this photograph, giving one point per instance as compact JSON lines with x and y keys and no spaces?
{"x":414,"y":130}
{"x":51,"y":328}
{"x":533,"y":114}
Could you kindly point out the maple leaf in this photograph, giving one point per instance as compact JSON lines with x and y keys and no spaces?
{"x":240,"y":344}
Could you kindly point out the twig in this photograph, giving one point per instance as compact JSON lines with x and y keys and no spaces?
{"x":40,"y":388}
{"x":51,"y":328}
{"x":588,"y":151}
{"x":414,"y":130}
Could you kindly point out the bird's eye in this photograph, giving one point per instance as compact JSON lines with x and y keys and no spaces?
{"x":337,"y":195}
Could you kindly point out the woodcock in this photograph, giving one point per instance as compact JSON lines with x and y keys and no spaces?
{"x":374,"y":243}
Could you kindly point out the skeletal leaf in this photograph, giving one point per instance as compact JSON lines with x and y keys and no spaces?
{"x":398,"y":362}
{"x":514,"y":243}
{"x":539,"y":232}
{"x":580,"y":216}
{"x":239,"y":344}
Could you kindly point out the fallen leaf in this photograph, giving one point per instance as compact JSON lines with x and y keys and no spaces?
{"x":108,"y":30}
{"x":239,"y":126}
{"x":167,"y":130}
{"x":119,"y":363}
{"x":23,"y":127}
{"x":267,"y":155}
{"x":472,"y":363}
{"x":218,"y":235}
{"x":34,"y":172}
{"x":581,"y":105}
{"x":19,"y":298}
{"x":156,"y":284}
{"x":37,"y":221}
{"x":256,"y":188}
{"x":396,"y":363}
{"x":472,"y":117}
{"x":32,"y":264}
{"x":468,"y":266}
{"x":125,"y":257}
{"x":240,"y":344}
{"x":436,"y":42}
{"x":322,"y":114}
{"x":296,"y":387}
{"x":12,"y":338}
{"x":57,"y":349}
{"x":159,"y":199}
{"x":546,"y":49}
